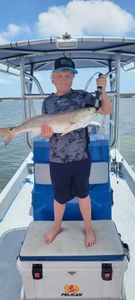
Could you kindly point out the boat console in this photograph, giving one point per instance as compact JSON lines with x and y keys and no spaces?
{"x":99,"y":183}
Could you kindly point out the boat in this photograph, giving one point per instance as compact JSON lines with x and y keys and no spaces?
{"x":26,"y":203}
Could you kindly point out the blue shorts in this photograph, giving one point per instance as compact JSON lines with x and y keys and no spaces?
{"x":70,"y":179}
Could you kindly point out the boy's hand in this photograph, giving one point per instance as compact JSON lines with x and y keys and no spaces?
{"x":46,"y":131}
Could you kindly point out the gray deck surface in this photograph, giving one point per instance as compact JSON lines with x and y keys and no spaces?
{"x":10,"y":281}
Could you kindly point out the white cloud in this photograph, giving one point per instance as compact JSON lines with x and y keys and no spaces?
{"x":80,"y":17}
{"x":12,"y":32}
{"x":3,"y":40}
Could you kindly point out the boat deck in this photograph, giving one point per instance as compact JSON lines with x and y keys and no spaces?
{"x":124,"y":217}
{"x":10,"y":243}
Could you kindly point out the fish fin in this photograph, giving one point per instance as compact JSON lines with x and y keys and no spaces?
{"x":7,"y":134}
{"x":68,"y":129}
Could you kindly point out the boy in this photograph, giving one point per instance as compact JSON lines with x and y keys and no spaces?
{"x":69,"y":157}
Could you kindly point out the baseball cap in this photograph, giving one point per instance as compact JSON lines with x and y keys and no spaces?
{"x":64,"y":63}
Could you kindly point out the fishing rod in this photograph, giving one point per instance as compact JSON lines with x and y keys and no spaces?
{"x":98,"y":93}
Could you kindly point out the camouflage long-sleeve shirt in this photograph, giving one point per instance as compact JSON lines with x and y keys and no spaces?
{"x":74,"y":145}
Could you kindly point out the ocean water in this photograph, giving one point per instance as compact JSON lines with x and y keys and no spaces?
{"x":12,"y":156}
{"x":127,"y":130}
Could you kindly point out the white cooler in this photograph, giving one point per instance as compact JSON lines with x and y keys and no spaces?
{"x":66,"y":268}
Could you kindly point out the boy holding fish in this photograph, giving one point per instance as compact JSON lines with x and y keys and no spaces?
{"x":69,"y":156}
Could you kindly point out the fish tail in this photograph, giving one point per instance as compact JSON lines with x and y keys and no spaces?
{"x":7,"y":134}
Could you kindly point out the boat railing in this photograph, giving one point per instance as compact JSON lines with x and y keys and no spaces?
{"x":27,"y":96}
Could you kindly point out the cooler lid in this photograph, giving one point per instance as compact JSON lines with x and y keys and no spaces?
{"x":69,"y":244}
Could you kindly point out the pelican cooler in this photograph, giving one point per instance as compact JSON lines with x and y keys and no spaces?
{"x":66,"y":268}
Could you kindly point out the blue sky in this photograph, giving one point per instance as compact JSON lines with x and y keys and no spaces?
{"x":37,"y":19}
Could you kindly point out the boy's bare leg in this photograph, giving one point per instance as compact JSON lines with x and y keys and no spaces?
{"x":58,"y":216}
{"x":85,"y":208}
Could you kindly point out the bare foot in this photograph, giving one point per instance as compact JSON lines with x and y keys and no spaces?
{"x":90,"y":238}
{"x":51,"y":235}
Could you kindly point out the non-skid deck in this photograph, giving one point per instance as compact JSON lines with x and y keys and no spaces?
{"x":10,"y":281}
{"x":124,"y":218}
{"x":12,"y":231}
